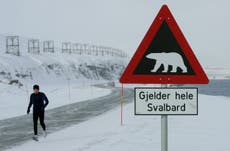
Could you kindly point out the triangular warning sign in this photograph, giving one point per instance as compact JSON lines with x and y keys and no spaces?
{"x":164,"y":56}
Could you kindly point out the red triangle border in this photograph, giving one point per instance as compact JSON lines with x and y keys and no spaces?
{"x":164,"y":15}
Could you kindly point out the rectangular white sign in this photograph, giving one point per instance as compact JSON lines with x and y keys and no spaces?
{"x":166,"y":101}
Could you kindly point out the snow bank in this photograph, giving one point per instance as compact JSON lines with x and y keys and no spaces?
{"x":56,"y":66}
{"x":207,"y":131}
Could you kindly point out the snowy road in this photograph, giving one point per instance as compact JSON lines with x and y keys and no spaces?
{"x":14,"y":131}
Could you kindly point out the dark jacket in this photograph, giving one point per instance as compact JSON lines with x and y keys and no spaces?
{"x":39,"y":102}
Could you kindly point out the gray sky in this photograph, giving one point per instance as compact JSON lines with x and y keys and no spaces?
{"x":121,"y":23}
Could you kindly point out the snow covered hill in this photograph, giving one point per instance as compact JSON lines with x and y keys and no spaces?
{"x":58,"y":66}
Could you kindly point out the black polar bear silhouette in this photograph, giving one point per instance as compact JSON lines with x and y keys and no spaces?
{"x":172,"y":58}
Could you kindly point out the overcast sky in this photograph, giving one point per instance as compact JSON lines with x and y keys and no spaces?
{"x":121,"y":23}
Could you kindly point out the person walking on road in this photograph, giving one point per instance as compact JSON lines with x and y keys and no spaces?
{"x":39,"y":101}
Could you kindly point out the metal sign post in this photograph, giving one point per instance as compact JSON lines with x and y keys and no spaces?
{"x":164,"y":129}
{"x":164,"y":132}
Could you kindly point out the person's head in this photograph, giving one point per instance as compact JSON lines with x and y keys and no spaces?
{"x":36,"y":88}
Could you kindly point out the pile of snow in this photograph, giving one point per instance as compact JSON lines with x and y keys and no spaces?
{"x":103,"y":133}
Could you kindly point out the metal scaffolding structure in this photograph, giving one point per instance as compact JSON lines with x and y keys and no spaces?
{"x":48,"y":46}
{"x":34,"y":46}
{"x":12,"y":45}
{"x":66,"y":47}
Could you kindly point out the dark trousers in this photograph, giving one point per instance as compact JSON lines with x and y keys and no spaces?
{"x":39,"y":115}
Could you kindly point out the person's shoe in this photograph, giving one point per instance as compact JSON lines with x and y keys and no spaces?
{"x":44,"y":133}
{"x":35,"y":137}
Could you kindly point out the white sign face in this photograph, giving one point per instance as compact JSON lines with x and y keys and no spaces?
{"x":166,"y":101}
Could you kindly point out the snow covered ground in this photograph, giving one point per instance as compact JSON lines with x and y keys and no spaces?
{"x":218,"y":73}
{"x":14,"y":100}
{"x":207,"y":131}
